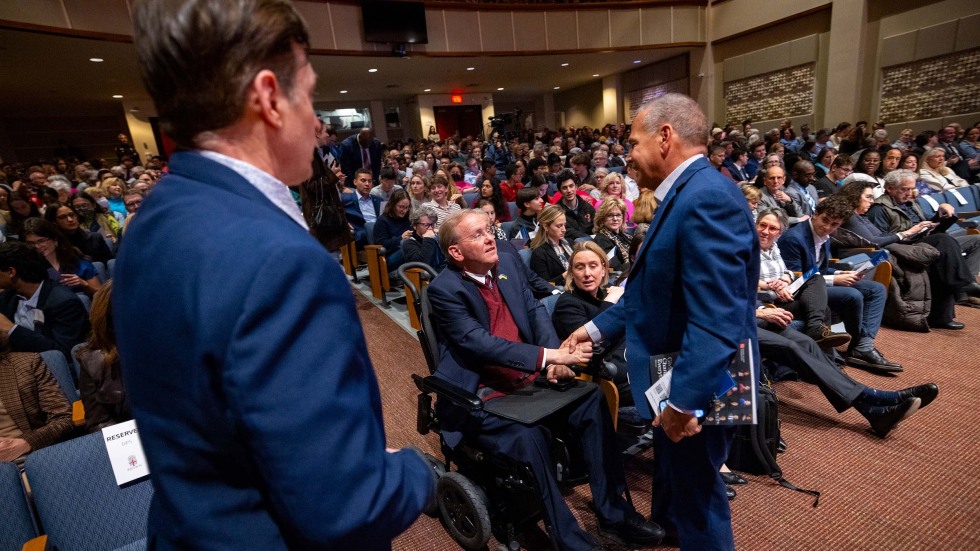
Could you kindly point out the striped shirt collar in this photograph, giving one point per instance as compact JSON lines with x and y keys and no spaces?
{"x":268,"y":185}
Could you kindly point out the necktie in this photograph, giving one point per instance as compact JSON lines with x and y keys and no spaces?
{"x":365,"y":159}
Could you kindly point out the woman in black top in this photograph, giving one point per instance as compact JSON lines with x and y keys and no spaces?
{"x":549,"y":250}
{"x":393,"y":227}
{"x":92,"y":245}
{"x":100,"y":379}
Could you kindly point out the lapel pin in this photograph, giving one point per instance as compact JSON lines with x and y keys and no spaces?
{"x":501,"y":276}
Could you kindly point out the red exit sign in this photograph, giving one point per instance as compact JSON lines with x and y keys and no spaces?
{"x":456,"y":98}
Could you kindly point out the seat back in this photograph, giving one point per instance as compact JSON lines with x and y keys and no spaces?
{"x":76,"y":366}
{"x":77,"y":500}
{"x":369,"y":230}
{"x":549,"y":303}
{"x":514,"y":212}
{"x":102,"y":271}
{"x":17,"y":525}
{"x":927,"y":203}
{"x":110,"y":267}
{"x":58,"y":366}
{"x":525,"y":256}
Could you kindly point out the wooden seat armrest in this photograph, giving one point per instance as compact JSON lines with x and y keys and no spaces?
{"x":39,"y":543}
{"x":78,"y":413}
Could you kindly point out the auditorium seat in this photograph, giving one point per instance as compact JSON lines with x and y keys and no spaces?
{"x":17,"y":526}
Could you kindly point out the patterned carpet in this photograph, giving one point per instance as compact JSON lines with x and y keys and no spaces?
{"x":916,"y":490}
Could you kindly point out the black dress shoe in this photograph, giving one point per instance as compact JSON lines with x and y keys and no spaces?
{"x":730,"y":492}
{"x":634,"y":530}
{"x":948,"y":325}
{"x":733,"y":477}
{"x":873,"y":360}
{"x":926,"y":393}
{"x":884,"y":423}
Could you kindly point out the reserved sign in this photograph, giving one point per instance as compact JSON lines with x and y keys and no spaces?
{"x":126,"y":456}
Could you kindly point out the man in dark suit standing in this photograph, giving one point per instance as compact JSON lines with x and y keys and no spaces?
{"x":244,"y":358}
{"x":361,"y":150}
{"x":702,"y":312}
{"x":36,"y":313}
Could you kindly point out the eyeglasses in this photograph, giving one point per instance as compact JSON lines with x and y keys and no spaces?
{"x":67,"y":216}
{"x":615,"y":216}
{"x":38,"y":241}
{"x":134,"y":203}
{"x":482,"y":234}
{"x":425,"y":224}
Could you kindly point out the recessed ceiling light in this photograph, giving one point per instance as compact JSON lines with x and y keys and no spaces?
{"x":595,"y":75}
{"x":564,"y":64}
{"x":499,"y":89}
{"x":96,"y":59}
{"x":636,"y":61}
{"x":427,"y":90}
{"x":557,"y":87}
{"x":117,"y":96}
{"x":471,"y":68}
{"x":375,"y":70}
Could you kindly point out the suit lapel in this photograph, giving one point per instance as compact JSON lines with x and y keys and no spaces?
{"x":664,"y":209}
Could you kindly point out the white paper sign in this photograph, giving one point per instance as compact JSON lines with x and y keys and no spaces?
{"x":659,"y":392}
{"x":126,"y":455}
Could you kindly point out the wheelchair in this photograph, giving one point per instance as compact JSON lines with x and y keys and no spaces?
{"x":486,"y":493}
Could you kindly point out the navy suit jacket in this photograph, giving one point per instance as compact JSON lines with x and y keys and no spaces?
{"x":257,"y":404}
{"x":350,"y":157}
{"x":65,"y":324}
{"x":798,"y":250}
{"x":691,"y":289}
{"x":354,"y":216}
{"x":462,"y":324}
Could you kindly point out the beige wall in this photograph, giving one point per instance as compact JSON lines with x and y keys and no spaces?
{"x":582,"y":106}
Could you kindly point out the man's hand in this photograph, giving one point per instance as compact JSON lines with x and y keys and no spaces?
{"x":920,"y":227}
{"x":407,"y":233}
{"x":677,"y":425}
{"x":12,"y":448}
{"x":556,"y":372}
{"x":945,"y":210}
{"x":580,"y":353}
{"x":776,"y":316}
{"x":803,"y":218}
{"x":846,"y":279}
{"x":783,"y":295}
{"x":782,"y":197}
{"x":580,"y":335}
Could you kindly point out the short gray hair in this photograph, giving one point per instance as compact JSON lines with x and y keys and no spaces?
{"x":779,"y":213}
{"x":896,"y":177}
{"x":447,"y":231}
{"x":420,"y":211}
{"x":682,"y":113}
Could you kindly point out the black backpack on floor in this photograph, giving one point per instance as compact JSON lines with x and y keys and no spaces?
{"x":754,"y":447}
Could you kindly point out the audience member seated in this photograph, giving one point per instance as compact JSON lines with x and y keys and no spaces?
{"x":100,"y":379}
{"x":934,"y":172}
{"x":93,"y":218}
{"x":20,"y":210}
{"x":753,"y":196}
{"x":716,"y":154}
{"x":840,"y":168}
{"x":91,"y":245}
{"x":421,"y":245}
{"x":512,"y":184}
{"x":869,"y":163}
{"x":418,"y":190}
{"x":579,"y":213}
{"x":36,"y":314}
{"x":441,"y":204}
{"x":394,"y":226}
{"x":859,"y":302}
{"x":810,"y":302}
{"x":113,"y":188}
{"x":529,"y":204}
{"x":361,"y":207}
{"x":883,"y":409}
{"x":486,"y":205}
{"x":67,"y":264}
{"x":644,"y":209}
{"x":490,"y":190}
{"x":612,"y":186}
{"x":387,"y":186}
{"x":896,"y":213}
{"x":495,"y":339}
{"x":610,"y":233}
{"x":549,"y":249}
{"x":588,"y":295}
{"x":802,"y":188}
{"x":823,"y":161}
{"x":970,"y":147}
{"x":34,"y":412}
{"x":774,"y":196}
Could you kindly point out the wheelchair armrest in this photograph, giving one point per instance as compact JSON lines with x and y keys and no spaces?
{"x":844,"y":266}
{"x":448,"y":391}
{"x":766,"y":297}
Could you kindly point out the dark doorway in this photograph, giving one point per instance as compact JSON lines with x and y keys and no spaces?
{"x":465,"y":119}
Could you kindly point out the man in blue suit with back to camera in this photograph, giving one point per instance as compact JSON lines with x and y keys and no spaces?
{"x":692,"y":291}
{"x":241,"y":348}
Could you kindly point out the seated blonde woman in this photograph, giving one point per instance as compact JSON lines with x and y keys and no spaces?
{"x":644,"y":208}
{"x":613,"y":185}
{"x":610,"y":232}
{"x":934,"y":172}
{"x":549,"y":250}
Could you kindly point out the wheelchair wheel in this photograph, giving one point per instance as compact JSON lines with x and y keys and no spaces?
{"x":463,"y":508}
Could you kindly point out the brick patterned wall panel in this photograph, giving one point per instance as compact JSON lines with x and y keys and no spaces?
{"x":636,"y":98}
{"x":776,"y":95}
{"x":931,"y":88}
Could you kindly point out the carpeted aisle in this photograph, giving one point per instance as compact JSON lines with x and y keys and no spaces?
{"x":917,"y":490}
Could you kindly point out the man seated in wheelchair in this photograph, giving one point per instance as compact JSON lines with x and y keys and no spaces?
{"x":495,"y":340}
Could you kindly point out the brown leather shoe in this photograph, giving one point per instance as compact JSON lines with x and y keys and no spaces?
{"x":828,"y":339}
